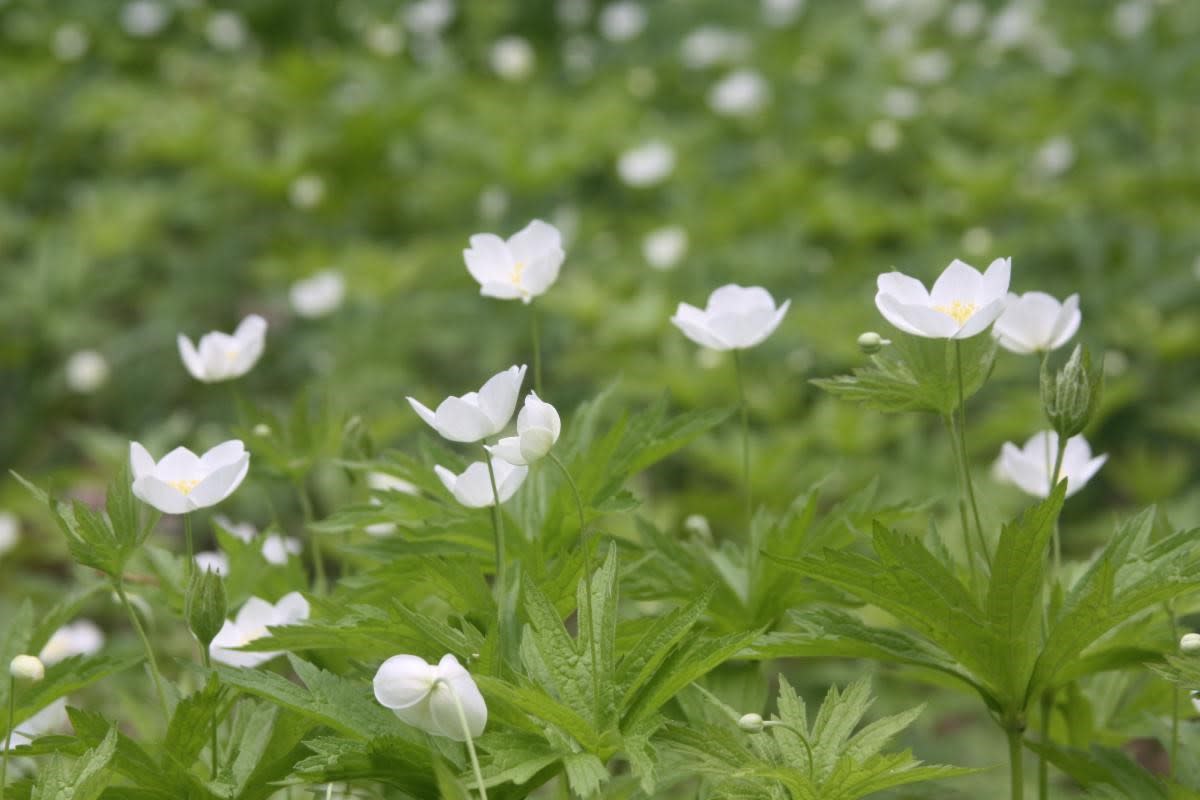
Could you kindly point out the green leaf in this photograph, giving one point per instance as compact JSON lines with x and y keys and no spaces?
{"x":83,"y":780}
{"x":64,"y":678}
{"x":191,"y":724}
{"x":647,"y":655}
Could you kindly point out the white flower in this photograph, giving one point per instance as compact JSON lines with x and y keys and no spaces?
{"x":182,"y":481}
{"x":781,"y":13}
{"x":277,"y":549}
{"x":963,"y":303}
{"x":318,"y":295}
{"x":1190,"y":643}
{"x":646,"y":165}
{"x":1131,"y":18}
{"x":429,"y":17}
{"x":10,"y":531}
{"x":735,"y":318}
{"x":476,"y":415}
{"x":144,"y":18}
{"x":214,"y":561}
{"x":307,"y":191}
{"x":1029,"y":467}
{"x":538,"y":428}
{"x":966,"y":18}
{"x":512,"y":58}
{"x":663,"y":248}
{"x":251,"y":623}
{"x":86,"y":371}
{"x":473,"y":488}
{"x":80,"y":638}
{"x":524,"y":266}
{"x":428,"y":696}
{"x":226,"y":30}
{"x":1035,"y":322}
{"x":51,"y":718}
{"x":883,"y":135}
{"x":622,"y":21}
{"x":222,"y":356}
{"x":931,"y":66}
{"x":244,"y":531}
{"x":383,"y":482}
{"x":709,"y":45}
{"x":70,"y":42}
{"x":385,"y":40}
{"x":1055,"y":156}
{"x":27,"y":668}
{"x":739,"y":94}
{"x":900,"y":102}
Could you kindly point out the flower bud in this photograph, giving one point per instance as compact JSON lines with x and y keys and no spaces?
{"x":262,"y":429}
{"x":1190,"y":643}
{"x":206,"y":605}
{"x":1071,"y":395}
{"x":871,"y":342}
{"x":697,"y":525}
{"x":751,"y":723}
{"x":27,"y":668}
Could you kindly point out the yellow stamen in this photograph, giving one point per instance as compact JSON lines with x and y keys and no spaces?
{"x":183,"y":486}
{"x":518,"y":271}
{"x":959,"y":311}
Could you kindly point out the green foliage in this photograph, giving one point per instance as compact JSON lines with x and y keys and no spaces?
{"x":86,"y":779}
{"x":1071,"y":396}
{"x":206,"y":605}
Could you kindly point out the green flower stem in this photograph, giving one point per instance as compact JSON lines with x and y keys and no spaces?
{"x":745,"y":409}
{"x":1015,"y":764}
{"x":207,"y":659}
{"x":537,"y":349}
{"x":962,"y":506}
{"x":1044,"y":737}
{"x":962,"y":446}
{"x":774,"y":723}
{"x":585,"y":543}
{"x":119,"y":587}
{"x":190,"y":566}
{"x":1170,"y":609}
{"x":306,"y":506}
{"x":1058,"y":462}
{"x":12,"y":713}
{"x":466,"y":728}
{"x":497,"y":528}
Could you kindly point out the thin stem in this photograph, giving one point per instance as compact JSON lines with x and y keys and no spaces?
{"x":12,"y":713}
{"x":497,"y":526}
{"x":745,"y":412}
{"x":537,"y":349}
{"x":774,"y":723}
{"x":306,"y":507}
{"x":207,"y":659}
{"x":466,"y":728}
{"x":962,"y":445}
{"x":190,"y":567}
{"x":1170,"y":608}
{"x":141,"y":632}
{"x":1044,"y":737}
{"x":1015,"y":764}
{"x":1054,"y":477}
{"x":962,"y":506}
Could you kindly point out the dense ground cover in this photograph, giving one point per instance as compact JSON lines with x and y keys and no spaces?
{"x":173,"y":168}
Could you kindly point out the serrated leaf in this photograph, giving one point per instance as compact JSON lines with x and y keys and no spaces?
{"x":83,"y":780}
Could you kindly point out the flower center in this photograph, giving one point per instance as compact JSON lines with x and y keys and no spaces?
{"x":517,"y":271}
{"x":183,"y":486}
{"x":958,"y":311}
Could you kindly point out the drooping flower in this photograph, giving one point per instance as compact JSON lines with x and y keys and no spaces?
{"x":182,"y":481}
{"x":1029,"y":467}
{"x":476,"y":415}
{"x":222,"y":356}
{"x":278,"y":549}
{"x":735,"y":318}
{"x":538,"y":427}
{"x":523,"y":266}
{"x":428,"y":696}
{"x":962,"y":303}
{"x":1035,"y":322}
{"x":251,"y":623}
{"x":318,"y":295}
{"x":79,"y":638}
{"x":473,"y":488}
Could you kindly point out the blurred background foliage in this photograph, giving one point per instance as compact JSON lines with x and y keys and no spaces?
{"x":169,"y":167}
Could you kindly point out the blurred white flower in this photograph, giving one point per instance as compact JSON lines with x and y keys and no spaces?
{"x":493,"y":202}
{"x":384,"y":39}
{"x":883,"y":135}
{"x":538,"y":428}
{"x":213,"y":561}
{"x":144,"y":18}
{"x":1013,"y":26}
{"x":901,"y":103}
{"x":664,"y":248}
{"x":473,"y":488}
{"x":79,"y":638}
{"x":735,"y":318}
{"x":383,"y":482}
{"x":244,"y":531}
{"x":429,"y":17}
{"x":646,"y":165}
{"x":573,"y":13}
{"x":579,"y":55}
{"x":1029,"y":467}
{"x":1035,"y":322}
{"x":70,"y":42}
{"x":182,"y":481}
{"x":931,"y":66}
{"x":222,"y":356}
{"x":512,"y":58}
{"x":966,"y":18}
{"x":277,"y":549}
{"x":429,"y":696}
{"x":10,"y":531}
{"x":307,"y":191}
{"x":740,"y":93}
{"x":319,"y":294}
{"x":1115,"y":363}
{"x":781,"y":13}
{"x":226,"y":30}
{"x":251,"y":623}
{"x":27,"y":668}
{"x":86,"y":371}
{"x":622,"y":21}
{"x":1131,"y":18}
{"x":50,"y":719}
{"x":476,"y":415}
{"x":710,"y":45}
{"x":1055,"y":156}
{"x":698,"y":525}
{"x":961,"y":304}
{"x":977,"y":241}
{"x":523,"y":266}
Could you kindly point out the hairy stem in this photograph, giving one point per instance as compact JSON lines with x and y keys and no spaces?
{"x":968,"y":548}
{"x":119,"y":587}
{"x":962,"y":446}
{"x":207,"y":659}
{"x":497,"y":526}
{"x":745,"y":413}
{"x":1058,"y":462}
{"x":466,"y":728}
{"x":1016,"y":766}
{"x":774,"y":723}
{"x":537,"y":349}
{"x":1169,"y":606}
{"x":12,"y":713}
{"x":306,"y":506}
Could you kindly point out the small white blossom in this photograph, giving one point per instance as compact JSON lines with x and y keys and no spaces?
{"x":931,"y":66}
{"x":901,"y":103}
{"x":245,"y":531}
{"x":739,"y":94}
{"x":278,"y":549}
{"x":781,"y":13}
{"x":182,"y":481}
{"x":648,"y":164}
{"x":962,"y":303}
{"x":710,"y":45}
{"x":735,"y":318}
{"x":429,"y":17}
{"x":1055,"y":156}
{"x":883,"y":135}
{"x":966,"y":18}
{"x":70,"y":42}
{"x":429,"y":696}
{"x":538,"y":428}
{"x":213,"y":561}
{"x":383,"y":482}
{"x":1131,"y":18}
{"x":307,"y":191}
{"x":1029,"y":467}
{"x":79,"y":638}
{"x":86,"y":371}
{"x":1035,"y":322}
{"x":385,"y":40}
{"x":622,"y":21}
{"x":251,"y":623}
{"x":222,"y":356}
{"x":226,"y":30}
{"x":523,"y":266}
{"x":664,"y":248}
{"x":512,"y":58}
{"x":318,"y":295}
{"x":473,"y":488}
{"x":476,"y":415}
{"x":27,"y":668}
{"x":144,"y":18}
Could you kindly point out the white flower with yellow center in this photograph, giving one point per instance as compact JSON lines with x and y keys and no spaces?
{"x":251,"y":623}
{"x":962,"y":303}
{"x":222,"y":356}
{"x":437,"y":698}
{"x":182,"y":481}
{"x":523,"y":266}
{"x":735,"y":318}
{"x":1029,"y":467}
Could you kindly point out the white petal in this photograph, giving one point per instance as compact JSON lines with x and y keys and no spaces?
{"x":924,"y":321}
{"x":473,"y":488}
{"x":1026,"y":473}
{"x":1076,"y":481}
{"x":498,"y":397}
{"x":424,"y":412}
{"x":732,"y":299}
{"x":978,"y":322}
{"x":537,"y":413}
{"x":509,"y":478}
{"x":509,"y":449}
{"x":541,"y":273}
{"x":694,"y":324}
{"x":501,"y":290}
{"x":445,"y":711}
{"x":222,"y":455}
{"x":462,"y":421}
{"x":291,"y":608}
{"x":191,"y":359}
{"x":488,"y":259}
{"x":220,"y":483}
{"x":1067,"y":324}
{"x":448,"y":478}
{"x":255,"y":613}
{"x":994,"y":285}
{"x":958,"y":282}
{"x":403,"y":681}
{"x":892,"y":310}
{"x":904,"y":289}
{"x":250,"y":330}
{"x":140,"y":461}
{"x":535,"y":443}
{"x":534,"y":242}
{"x":154,"y":492}
{"x":180,"y":464}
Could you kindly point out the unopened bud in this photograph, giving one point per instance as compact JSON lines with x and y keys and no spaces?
{"x":206,"y":605}
{"x":1071,"y":396}
{"x":1190,"y":643}
{"x":27,"y":668}
{"x":871,"y":342}
{"x":751,"y":723}
{"x":697,"y":525}
{"x":262,"y":429}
